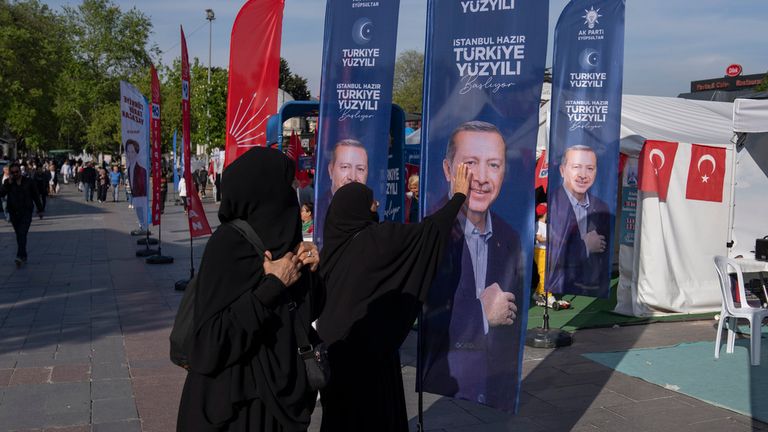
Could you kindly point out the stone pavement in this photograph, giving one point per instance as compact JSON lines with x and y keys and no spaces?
{"x":84,"y":344}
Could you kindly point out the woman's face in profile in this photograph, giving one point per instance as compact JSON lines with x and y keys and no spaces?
{"x":306,"y":215}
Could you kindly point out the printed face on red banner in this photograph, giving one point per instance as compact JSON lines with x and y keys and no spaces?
{"x":655,"y":168}
{"x":706,"y":174}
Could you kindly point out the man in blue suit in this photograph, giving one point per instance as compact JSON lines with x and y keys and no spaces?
{"x":472,"y":348}
{"x":579,"y":229}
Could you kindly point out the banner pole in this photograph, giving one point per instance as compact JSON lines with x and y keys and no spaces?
{"x":191,"y":258}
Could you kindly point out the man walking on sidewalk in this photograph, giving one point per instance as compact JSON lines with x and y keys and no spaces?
{"x":88,"y":177}
{"x":22,"y":195}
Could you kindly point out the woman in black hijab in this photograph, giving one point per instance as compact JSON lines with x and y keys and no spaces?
{"x":376,"y":276}
{"x":245,"y":373}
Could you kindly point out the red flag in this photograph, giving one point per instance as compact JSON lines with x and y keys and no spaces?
{"x":706,"y":174}
{"x":155,"y":131}
{"x":294,"y":149}
{"x":254,"y":69}
{"x":655,"y":166}
{"x":542,"y":171}
{"x":198,"y":223}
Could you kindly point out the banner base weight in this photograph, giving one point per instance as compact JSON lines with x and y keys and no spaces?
{"x":548,"y":338}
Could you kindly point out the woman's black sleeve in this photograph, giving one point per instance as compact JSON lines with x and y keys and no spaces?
{"x":230,"y":334}
{"x":444,"y":217}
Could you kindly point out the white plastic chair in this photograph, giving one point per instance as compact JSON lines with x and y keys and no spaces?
{"x":732,"y":312}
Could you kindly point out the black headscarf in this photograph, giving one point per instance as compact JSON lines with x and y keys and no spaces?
{"x":376,"y":273}
{"x":256,"y":187}
{"x":349,"y":213}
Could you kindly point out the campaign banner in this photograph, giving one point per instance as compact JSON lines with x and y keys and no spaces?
{"x":175,"y":166}
{"x":356,"y":103}
{"x":134,"y":129}
{"x":629,"y":198}
{"x":156,"y":132}
{"x":482,"y":88}
{"x":584,"y":146}
{"x":254,"y":71}
{"x":198,"y":222}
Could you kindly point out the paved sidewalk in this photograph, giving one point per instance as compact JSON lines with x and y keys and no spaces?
{"x":84,"y":344}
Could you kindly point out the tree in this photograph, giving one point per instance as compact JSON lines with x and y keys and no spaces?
{"x":109,"y":45}
{"x":32,"y":56}
{"x":409,"y":80}
{"x":295,"y":85}
{"x":763,"y":86}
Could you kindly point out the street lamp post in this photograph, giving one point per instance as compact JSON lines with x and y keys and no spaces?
{"x":210,"y":16}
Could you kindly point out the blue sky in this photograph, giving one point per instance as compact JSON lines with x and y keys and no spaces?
{"x":668,"y":43}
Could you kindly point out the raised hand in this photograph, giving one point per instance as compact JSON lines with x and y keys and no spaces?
{"x":462,"y":180}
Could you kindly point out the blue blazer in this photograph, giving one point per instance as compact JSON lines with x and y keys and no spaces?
{"x":569,"y":268}
{"x":460,"y":360}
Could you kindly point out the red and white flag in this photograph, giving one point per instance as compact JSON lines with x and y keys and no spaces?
{"x":655,"y":166}
{"x":198,"y":222}
{"x":155,"y":131}
{"x":254,"y":74}
{"x":542,"y":171}
{"x":706,"y":174}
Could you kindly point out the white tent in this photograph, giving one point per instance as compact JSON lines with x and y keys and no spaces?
{"x":750,"y":120}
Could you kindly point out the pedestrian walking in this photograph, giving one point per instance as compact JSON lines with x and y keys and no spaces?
{"x":183,"y":194}
{"x":40,"y":178}
{"x":88,"y":179}
{"x":4,"y":199}
{"x":53,"y":179}
{"x":245,"y":373}
{"x":66,"y":171}
{"x":115,"y":178}
{"x":103,"y":185}
{"x":23,"y":196}
{"x":376,"y":276}
{"x":128,"y":192}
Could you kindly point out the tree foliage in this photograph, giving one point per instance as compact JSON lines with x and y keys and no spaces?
{"x":409,"y":80}
{"x":293,"y":84}
{"x":763,"y":86}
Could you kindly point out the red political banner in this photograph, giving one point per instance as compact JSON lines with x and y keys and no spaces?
{"x":655,"y":166}
{"x":198,"y":223}
{"x":254,"y":69}
{"x":155,"y":134}
{"x":706,"y":173}
{"x":542,"y":171}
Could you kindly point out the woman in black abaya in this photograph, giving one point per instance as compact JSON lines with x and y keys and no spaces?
{"x":245,"y":373}
{"x":376,"y":276}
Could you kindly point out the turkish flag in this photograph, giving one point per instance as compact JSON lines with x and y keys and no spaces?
{"x":655,"y":166}
{"x":542,"y":171}
{"x":706,"y":174}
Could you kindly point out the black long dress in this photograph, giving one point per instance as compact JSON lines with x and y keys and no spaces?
{"x":245,"y":373}
{"x":376,"y":276}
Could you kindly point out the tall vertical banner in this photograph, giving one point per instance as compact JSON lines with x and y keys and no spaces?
{"x":198,"y":222}
{"x":584,"y":146}
{"x":254,"y":70}
{"x":155,"y":133}
{"x":134,"y":128}
{"x":482,"y":87}
{"x":356,"y":103}
{"x":175,"y":167}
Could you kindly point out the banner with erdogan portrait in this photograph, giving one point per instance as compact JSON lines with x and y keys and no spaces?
{"x":584,"y":146}
{"x":482,"y":89}
{"x":356,"y":104}
{"x":134,"y":129}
